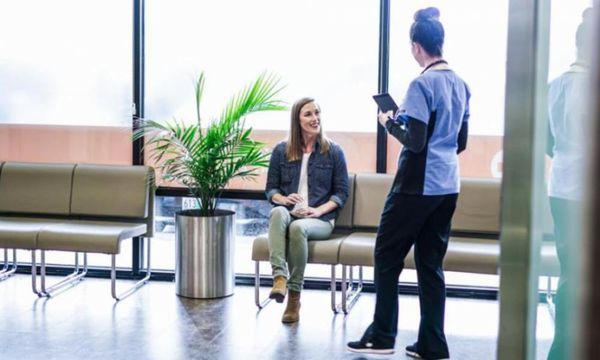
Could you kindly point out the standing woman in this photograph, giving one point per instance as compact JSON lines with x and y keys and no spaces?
{"x":432,"y":126}
{"x":307,"y":182}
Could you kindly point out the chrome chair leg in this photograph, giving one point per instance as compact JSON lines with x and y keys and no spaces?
{"x":260,"y":304}
{"x":134,"y":287}
{"x":34,"y":287}
{"x":6,"y":270}
{"x":344,"y":289}
{"x":71,"y":279}
{"x":335,"y":307}
{"x":350,"y":294}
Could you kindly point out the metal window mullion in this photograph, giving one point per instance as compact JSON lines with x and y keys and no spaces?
{"x":138,"y":106}
{"x":383,"y":78}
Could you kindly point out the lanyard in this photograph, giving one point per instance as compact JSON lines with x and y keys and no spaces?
{"x":434,"y":64}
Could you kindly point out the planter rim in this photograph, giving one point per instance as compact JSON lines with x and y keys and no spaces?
{"x":196,"y":213}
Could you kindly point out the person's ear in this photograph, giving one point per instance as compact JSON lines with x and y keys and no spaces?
{"x":418,"y":49}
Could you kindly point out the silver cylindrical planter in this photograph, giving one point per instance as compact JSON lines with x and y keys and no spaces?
{"x":204,"y":255}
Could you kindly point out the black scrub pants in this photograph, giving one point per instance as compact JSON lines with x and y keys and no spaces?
{"x":422,"y":221}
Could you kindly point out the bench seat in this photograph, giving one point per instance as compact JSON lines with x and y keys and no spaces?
{"x":358,"y":250}
{"x":463,"y":255}
{"x":21,"y":233}
{"x":319,"y":251}
{"x":472,"y":255}
{"x":88,"y":236}
{"x":469,"y":255}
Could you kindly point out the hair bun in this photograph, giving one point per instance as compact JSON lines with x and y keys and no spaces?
{"x":587,"y":14}
{"x":430,"y":13}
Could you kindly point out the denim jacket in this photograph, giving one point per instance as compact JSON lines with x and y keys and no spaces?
{"x":327,"y":177}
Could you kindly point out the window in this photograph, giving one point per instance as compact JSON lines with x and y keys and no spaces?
{"x":337,"y":65}
{"x":66,"y":85}
{"x":66,"y":89}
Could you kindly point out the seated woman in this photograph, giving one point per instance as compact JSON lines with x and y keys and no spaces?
{"x":308,"y":184}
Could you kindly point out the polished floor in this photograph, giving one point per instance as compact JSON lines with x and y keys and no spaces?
{"x":85,"y":323}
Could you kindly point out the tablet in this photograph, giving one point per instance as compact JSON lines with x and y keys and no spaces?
{"x":385,"y":102}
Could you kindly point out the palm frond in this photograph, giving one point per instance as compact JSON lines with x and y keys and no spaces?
{"x":199,"y":90}
{"x":206,"y":159}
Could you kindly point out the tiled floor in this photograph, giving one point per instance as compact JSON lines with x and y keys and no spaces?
{"x":85,"y":323}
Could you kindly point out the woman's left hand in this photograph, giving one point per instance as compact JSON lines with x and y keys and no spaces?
{"x":384,"y":117}
{"x":310,"y":212}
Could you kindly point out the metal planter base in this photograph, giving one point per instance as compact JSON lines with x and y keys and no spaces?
{"x":204,"y":267}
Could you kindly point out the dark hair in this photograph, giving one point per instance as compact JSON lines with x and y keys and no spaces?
{"x":581,"y":37}
{"x":427,"y":31}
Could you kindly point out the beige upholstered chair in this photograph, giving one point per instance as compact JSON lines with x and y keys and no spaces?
{"x":77,"y":208}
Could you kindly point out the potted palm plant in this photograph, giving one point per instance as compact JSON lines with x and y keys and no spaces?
{"x":204,"y":158}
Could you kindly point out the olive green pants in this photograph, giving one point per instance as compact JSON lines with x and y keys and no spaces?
{"x":299,"y":232}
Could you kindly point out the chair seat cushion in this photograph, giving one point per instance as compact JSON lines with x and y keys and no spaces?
{"x":21,"y":233}
{"x":319,"y":251}
{"x":88,"y":236}
{"x":358,"y":250}
{"x":463,"y":255}
{"x":473,"y":255}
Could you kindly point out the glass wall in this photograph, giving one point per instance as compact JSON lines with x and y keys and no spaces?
{"x":568,"y":119}
{"x":475,"y":47}
{"x":66,"y":87}
{"x":337,"y":65}
{"x":547,"y":142}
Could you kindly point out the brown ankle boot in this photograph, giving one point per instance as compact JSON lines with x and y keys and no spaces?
{"x":279,"y":288}
{"x":292,"y":310}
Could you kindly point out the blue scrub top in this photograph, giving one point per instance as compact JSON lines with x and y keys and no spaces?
{"x":440,"y":99}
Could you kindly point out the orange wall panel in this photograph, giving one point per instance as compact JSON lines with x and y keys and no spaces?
{"x":480,"y":159}
{"x":66,"y":144}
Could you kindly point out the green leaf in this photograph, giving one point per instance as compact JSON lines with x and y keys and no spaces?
{"x":199,"y":89}
{"x":205,"y":160}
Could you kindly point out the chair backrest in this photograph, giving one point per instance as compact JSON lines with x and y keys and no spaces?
{"x":120,"y":193}
{"x":114,"y":191}
{"x":344,"y":220}
{"x":370,"y":193}
{"x":478,"y":207}
{"x":31,"y":188}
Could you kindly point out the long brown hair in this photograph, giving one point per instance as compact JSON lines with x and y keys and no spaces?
{"x":293,"y":149}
